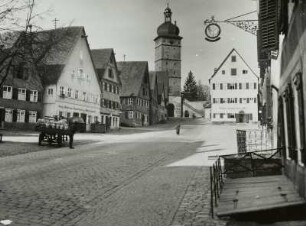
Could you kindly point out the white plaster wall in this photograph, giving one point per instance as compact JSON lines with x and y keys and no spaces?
{"x":248,"y":108}
{"x":79,"y":59}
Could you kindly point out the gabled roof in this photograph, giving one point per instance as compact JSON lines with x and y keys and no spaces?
{"x":132,"y":74}
{"x":220,"y":66}
{"x":61,"y":50}
{"x":101,"y":59}
{"x":54,"y":61}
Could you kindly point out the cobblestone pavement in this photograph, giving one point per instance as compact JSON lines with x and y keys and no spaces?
{"x":194,"y":209}
{"x":125,"y":182}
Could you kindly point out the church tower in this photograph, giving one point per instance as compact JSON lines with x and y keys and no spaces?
{"x":168,"y":58}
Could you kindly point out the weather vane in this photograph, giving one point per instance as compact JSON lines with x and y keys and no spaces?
{"x":213,"y":29}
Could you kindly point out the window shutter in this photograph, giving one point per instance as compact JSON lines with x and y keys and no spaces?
{"x":15,"y":93}
{"x":28,"y":92}
{"x":39,"y":96}
{"x":268,"y":24}
{"x":26,"y":119}
{"x":38,"y":115}
{"x":14,"y":115}
{"x":290,"y":122}
{"x":298,"y":81}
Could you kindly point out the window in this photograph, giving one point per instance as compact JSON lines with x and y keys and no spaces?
{"x":214,"y":86}
{"x":50,"y":92}
{"x":235,"y":85}
{"x":223,"y":72}
{"x":34,"y":96}
{"x":233,"y":58}
{"x":21,"y":94}
{"x":69,"y":92}
{"x":32,"y":116}
{"x":240,"y":100}
{"x":233,"y":71}
{"x":81,"y":74}
{"x":221,"y":115}
{"x":84,"y":96}
{"x":20,"y":115}
{"x":255,"y":100}
{"x":105,"y":86}
{"x":130,"y":114}
{"x":230,"y":115}
{"x":240,"y":85}
{"x":244,"y":71}
{"x":62,"y":91}
{"x":214,"y":115}
{"x":222,"y":100}
{"x":248,"y":100}
{"x":247,"y":85}
{"x":255,"y":85}
{"x":8,"y":115}
{"x":221,"y":86}
{"x":7,"y":92}
{"x":110,"y":73}
{"x":130,"y":101}
{"x":76,"y":94}
{"x":214,"y":100}
{"x":110,"y":88}
{"x":235,"y":100}
{"x":230,"y":86}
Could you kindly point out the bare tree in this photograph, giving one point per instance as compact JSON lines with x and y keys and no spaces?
{"x":19,"y":43}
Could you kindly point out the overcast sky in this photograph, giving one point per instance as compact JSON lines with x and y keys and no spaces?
{"x":129,"y":26}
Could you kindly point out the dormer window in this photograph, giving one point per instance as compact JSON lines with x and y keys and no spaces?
{"x":110,"y":73}
{"x":233,"y":58}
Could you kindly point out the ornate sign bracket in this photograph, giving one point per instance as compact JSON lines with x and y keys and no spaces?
{"x":213,"y":30}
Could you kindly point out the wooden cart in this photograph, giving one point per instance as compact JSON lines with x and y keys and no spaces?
{"x":54,"y":135}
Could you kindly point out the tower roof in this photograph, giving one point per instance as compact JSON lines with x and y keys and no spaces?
{"x":168,"y":29}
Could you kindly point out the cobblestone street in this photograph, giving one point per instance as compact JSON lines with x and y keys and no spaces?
{"x":153,"y":177}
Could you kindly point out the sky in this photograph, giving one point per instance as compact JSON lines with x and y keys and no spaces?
{"x":129,"y":27}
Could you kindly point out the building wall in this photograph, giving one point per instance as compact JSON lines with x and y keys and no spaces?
{"x":168,"y":58}
{"x":293,"y":62}
{"x":79,"y":76}
{"x":135,"y":111}
{"x":226,"y":112}
{"x":111,"y":111}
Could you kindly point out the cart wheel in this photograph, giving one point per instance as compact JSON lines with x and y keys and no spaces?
{"x":59,"y":140}
{"x":40,"y":138}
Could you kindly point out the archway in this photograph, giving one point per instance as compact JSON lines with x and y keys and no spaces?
{"x":242,"y":117}
{"x":170,"y":109}
{"x":186,"y":114}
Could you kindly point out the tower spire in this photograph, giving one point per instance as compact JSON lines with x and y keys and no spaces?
{"x":168,"y":13}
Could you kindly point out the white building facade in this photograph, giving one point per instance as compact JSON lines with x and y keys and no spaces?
{"x":75,"y":89}
{"x":234,"y":91}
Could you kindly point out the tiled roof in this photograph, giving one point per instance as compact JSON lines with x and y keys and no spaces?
{"x":132,"y":74}
{"x":50,"y":73}
{"x":225,"y":59}
{"x":52,"y":64}
{"x":101,"y":57}
{"x":66,"y":40}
